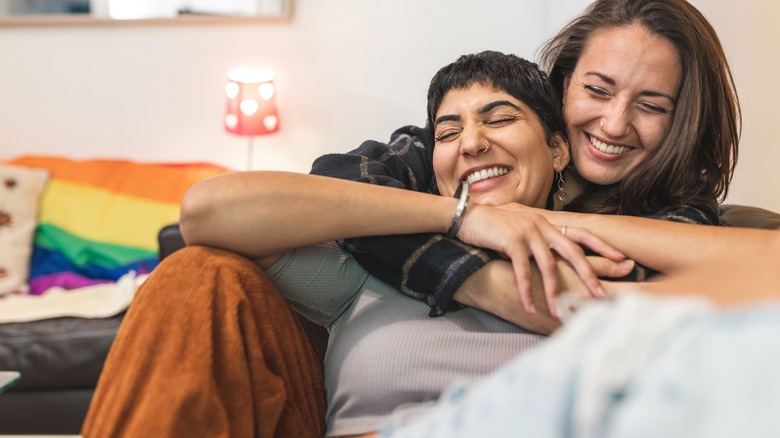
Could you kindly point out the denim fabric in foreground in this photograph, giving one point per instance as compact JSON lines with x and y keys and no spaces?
{"x":638,"y":367}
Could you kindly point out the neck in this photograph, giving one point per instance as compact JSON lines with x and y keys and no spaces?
{"x":574,"y":186}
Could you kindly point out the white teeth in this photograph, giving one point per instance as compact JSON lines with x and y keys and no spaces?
{"x":486,"y":173}
{"x":607,"y":148}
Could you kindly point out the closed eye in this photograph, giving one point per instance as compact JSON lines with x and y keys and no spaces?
{"x":498,"y":121}
{"x":654,"y":108}
{"x":597,"y":91}
{"x":447,"y":135}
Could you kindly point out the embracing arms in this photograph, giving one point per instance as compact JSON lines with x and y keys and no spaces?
{"x":667,"y":245}
{"x":262,"y":214}
{"x":433,"y":267}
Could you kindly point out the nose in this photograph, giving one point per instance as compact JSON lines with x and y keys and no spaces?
{"x":616,"y":120}
{"x":473,"y":141}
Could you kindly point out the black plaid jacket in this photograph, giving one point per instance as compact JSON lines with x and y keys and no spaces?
{"x":428,"y":267}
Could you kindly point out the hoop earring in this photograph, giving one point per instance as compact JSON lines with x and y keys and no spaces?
{"x":561,"y":193}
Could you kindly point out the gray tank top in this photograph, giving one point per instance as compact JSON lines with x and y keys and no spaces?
{"x":386,"y":357}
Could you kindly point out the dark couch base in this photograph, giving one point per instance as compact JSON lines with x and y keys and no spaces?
{"x":60,"y":361}
{"x":43,"y":411}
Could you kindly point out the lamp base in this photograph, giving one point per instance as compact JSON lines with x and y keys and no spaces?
{"x":249,"y":151}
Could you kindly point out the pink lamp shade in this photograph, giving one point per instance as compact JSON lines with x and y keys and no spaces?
{"x":251,"y":104}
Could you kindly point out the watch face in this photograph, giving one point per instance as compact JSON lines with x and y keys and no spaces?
{"x":8,"y":378}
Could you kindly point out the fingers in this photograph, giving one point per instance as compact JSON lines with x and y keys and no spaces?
{"x":604,"y":267}
{"x":573,"y":253}
{"x":539,"y":243}
{"x":538,"y":240}
{"x":522,"y":269}
{"x":545,"y":261}
{"x":519,"y":235}
{"x":588,"y":239}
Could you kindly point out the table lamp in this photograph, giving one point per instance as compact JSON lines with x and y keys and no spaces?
{"x":251,"y":106}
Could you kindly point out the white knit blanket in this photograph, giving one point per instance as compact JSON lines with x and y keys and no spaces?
{"x":96,"y":301}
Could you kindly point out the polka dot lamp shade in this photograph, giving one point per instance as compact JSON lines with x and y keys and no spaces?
{"x":251,"y":101}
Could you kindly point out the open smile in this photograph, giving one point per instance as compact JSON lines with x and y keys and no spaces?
{"x":610,"y":149}
{"x":483,"y":174}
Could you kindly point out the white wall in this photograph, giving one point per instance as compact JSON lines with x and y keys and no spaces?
{"x":749,"y":32}
{"x":348,"y":70}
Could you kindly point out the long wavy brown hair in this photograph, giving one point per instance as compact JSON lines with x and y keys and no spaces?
{"x":695,"y":163}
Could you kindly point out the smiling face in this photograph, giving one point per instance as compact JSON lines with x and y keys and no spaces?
{"x":495,"y":142}
{"x":619,"y":100}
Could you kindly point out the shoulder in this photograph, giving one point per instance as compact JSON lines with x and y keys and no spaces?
{"x":405,"y":161}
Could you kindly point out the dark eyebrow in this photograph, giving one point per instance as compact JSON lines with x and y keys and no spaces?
{"x":484,"y":109}
{"x":651,"y":93}
{"x":490,"y":106}
{"x":446,"y":118}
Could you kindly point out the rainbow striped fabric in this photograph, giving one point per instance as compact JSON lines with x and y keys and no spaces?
{"x":99,"y":219}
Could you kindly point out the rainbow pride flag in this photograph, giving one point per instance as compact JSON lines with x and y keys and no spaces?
{"x":99,"y":219}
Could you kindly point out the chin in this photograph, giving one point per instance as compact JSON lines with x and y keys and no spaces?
{"x":600,"y":179}
{"x":492,"y":200}
{"x":599,"y":175}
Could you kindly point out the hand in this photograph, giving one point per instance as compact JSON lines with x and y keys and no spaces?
{"x":572,"y":285}
{"x":493,"y":289}
{"x":519,"y":233}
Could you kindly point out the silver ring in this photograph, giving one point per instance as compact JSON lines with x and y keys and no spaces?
{"x":484,"y":148}
{"x":602,"y":127}
{"x":563,"y":230}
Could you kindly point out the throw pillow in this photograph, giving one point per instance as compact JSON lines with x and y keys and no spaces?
{"x":20,"y":190}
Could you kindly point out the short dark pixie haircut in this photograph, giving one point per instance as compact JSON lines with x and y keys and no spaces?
{"x":518,"y":77}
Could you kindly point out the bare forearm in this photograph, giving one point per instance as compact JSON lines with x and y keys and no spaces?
{"x":663,"y":245}
{"x":265,"y":213}
{"x":492,"y":289}
{"x":728,"y":281}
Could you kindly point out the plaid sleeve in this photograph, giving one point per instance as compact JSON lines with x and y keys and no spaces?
{"x":405,"y":162}
{"x":427,"y":267}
